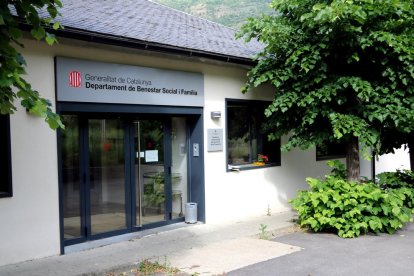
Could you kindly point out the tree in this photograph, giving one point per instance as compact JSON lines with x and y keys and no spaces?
{"x":13,"y":15}
{"x":343,"y":70}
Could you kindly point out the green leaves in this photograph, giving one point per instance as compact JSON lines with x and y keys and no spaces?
{"x":351,"y":209}
{"x":12,"y":85}
{"x":339,"y":69}
{"x":38,"y":33}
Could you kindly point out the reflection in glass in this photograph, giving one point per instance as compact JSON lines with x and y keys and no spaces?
{"x":179,"y":166}
{"x":107,"y":175}
{"x":70,"y":177}
{"x":238,"y":134}
{"x":247,"y":137}
{"x":149,"y":163}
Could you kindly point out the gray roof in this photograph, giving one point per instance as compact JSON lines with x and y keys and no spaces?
{"x":154,"y":23}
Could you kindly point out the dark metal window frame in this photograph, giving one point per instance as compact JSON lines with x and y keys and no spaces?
{"x":248,"y":103}
{"x":5,"y":148}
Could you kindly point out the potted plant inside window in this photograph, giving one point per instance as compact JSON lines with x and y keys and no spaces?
{"x":261,"y":160}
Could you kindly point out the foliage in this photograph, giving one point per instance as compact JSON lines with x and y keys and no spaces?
{"x":263,"y":235}
{"x":150,"y":268}
{"x":350,"y":209}
{"x":338,"y":169}
{"x":147,"y":268}
{"x":340,"y":69}
{"x":12,"y":85}
{"x":398,"y":179}
{"x":154,"y":194}
{"x":227,"y":12}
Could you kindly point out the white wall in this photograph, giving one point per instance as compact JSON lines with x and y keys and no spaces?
{"x":232,"y":196}
{"x":391,"y":162}
{"x":30,"y":219}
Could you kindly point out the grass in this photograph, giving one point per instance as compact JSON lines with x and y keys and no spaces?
{"x":263,"y":235}
{"x":149,"y":268}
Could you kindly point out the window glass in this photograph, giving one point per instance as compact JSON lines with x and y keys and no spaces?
{"x":179,"y":167}
{"x":238,"y":134}
{"x":71,"y":183}
{"x":5,"y":159}
{"x":331,"y":151}
{"x":247,"y":143}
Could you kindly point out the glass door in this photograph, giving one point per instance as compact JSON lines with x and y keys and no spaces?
{"x":120,"y":174}
{"x":70,"y":177}
{"x":107,"y":175}
{"x":150,"y":176}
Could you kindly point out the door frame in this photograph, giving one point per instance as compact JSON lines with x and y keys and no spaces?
{"x":194,"y":116}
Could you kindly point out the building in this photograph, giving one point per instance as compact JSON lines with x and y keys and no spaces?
{"x":154,"y":119}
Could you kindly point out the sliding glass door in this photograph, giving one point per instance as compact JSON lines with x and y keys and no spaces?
{"x":117,"y":174}
{"x":150,"y":172}
{"x":106,"y":143}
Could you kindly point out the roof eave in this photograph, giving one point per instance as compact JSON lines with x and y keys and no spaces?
{"x":149,"y":46}
{"x":85,"y":35}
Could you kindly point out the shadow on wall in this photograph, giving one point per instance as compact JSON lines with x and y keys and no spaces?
{"x":291,"y":176}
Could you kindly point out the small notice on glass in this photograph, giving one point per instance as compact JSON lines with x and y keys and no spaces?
{"x":151,"y":156}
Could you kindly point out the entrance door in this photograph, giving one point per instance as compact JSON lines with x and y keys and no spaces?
{"x":150,"y":167}
{"x":107,"y":197}
{"x":116,"y":176}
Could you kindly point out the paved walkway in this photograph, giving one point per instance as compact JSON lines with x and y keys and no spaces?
{"x":207,"y":249}
{"x":327,"y":255}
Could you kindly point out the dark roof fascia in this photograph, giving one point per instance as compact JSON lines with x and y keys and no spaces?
{"x":84,"y":35}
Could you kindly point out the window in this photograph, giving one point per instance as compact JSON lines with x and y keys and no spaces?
{"x":331,"y":151}
{"x":5,"y":159}
{"x":247,"y":143}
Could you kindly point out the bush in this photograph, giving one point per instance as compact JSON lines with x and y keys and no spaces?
{"x":350,"y":209}
{"x":398,"y":179}
{"x":338,"y":169}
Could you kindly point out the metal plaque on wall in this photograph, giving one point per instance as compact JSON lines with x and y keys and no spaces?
{"x":215,"y":139}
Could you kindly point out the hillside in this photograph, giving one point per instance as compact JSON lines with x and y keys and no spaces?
{"x":227,"y":12}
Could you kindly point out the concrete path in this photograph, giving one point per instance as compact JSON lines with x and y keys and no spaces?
{"x":207,"y":249}
{"x":221,"y":257}
{"x":327,"y":254}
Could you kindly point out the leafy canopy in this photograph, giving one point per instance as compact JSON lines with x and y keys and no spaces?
{"x":341,"y":69}
{"x":12,"y":63}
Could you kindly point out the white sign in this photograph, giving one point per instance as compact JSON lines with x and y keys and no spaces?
{"x":151,"y":156}
{"x":99,"y":82}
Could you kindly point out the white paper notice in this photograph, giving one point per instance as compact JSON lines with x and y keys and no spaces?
{"x":151,"y":156}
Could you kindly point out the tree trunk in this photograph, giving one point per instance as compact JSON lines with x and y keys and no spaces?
{"x":352,"y":159}
{"x":411,"y":151}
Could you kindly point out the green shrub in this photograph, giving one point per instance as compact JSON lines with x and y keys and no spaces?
{"x":398,"y":179}
{"x":350,"y":209}
{"x":338,"y":169}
